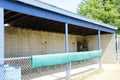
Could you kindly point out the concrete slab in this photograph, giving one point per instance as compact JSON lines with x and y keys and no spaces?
{"x":62,"y":75}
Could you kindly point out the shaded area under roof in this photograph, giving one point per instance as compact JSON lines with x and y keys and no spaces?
{"x":30,"y":22}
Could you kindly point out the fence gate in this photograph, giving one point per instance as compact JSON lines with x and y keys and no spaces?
{"x":118,"y":48}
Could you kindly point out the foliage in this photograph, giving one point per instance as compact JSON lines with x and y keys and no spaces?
{"x":106,"y":11}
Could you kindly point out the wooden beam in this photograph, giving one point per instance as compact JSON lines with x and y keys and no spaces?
{"x":17,"y":20}
{"x":7,"y":12}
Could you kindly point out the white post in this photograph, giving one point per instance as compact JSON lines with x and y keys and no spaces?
{"x":117,"y":50}
{"x":1,"y":43}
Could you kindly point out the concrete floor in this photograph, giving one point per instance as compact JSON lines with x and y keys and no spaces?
{"x":62,"y":75}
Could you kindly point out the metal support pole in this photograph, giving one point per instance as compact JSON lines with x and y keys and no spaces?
{"x":99,"y":48}
{"x":68,"y":65}
{"x":116,"y":45}
{"x":1,"y":43}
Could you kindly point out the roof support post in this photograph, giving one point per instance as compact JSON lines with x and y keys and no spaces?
{"x":68,"y":65}
{"x":116,"y":45}
{"x":99,"y":48}
{"x":1,"y":43}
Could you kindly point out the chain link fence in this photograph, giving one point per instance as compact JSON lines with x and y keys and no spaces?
{"x":118,"y":47}
{"x":23,"y":63}
{"x":28,"y":73}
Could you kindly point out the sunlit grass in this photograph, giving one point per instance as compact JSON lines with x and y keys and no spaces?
{"x":88,"y":75}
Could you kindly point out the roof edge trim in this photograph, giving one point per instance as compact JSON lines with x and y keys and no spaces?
{"x":49,"y":7}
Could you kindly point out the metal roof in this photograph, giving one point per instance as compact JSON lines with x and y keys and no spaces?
{"x":43,"y":13}
{"x":49,"y":7}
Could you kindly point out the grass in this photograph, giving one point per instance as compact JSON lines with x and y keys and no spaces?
{"x":88,"y":75}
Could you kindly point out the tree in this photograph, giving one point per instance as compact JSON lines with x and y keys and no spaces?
{"x":106,"y":11}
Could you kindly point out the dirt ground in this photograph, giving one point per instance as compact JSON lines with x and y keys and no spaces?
{"x":111,"y":72}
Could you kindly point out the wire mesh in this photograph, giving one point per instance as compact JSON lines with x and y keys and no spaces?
{"x":2,"y":72}
{"x":118,"y":47}
{"x":23,"y":63}
{"x":27,"y":72}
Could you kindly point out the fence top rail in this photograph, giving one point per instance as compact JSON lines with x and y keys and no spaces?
{"x":17,"y":58}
